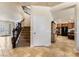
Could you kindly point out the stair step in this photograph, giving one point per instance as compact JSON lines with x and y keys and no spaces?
{"x":24,"y":38}
{"x":25,"y":32}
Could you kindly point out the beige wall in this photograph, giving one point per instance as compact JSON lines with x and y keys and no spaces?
{"x":5,"y":43}
{"x":25,"y":16}
{"x":26,"y":21}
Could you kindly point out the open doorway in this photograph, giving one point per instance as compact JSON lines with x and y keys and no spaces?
{"x":65,"y":28}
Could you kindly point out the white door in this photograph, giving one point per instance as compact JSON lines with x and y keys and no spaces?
{"x":40,"y":26}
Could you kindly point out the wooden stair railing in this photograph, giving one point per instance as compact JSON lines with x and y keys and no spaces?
{"x":16,"y":32}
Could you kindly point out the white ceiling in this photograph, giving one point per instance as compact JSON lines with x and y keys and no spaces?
{"x":40,"y":3}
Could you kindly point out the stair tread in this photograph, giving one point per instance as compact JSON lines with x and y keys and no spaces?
{"x":24,"y":37}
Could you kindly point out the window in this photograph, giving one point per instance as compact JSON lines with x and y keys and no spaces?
{"x":5,"y":28}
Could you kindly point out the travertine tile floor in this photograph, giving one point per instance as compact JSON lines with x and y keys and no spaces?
{"x":63,"y":47}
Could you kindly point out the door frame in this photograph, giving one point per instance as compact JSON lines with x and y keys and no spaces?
{"x":31,"y":42}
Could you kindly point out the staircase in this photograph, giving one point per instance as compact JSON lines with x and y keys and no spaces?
{"x":24,"y":37}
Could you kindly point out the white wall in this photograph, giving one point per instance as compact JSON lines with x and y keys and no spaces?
{"x":13,"y":12}
{"x":40,"y":26}
{"x":65,"y":15}
{"x":25,"y":16}
{"x":77,"y":27}
{"x":26,"y":21}
{"x":10,"y":12}
{"x":5,"y":43}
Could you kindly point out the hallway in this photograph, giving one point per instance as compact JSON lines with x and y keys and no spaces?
{"x":62,"y":47}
